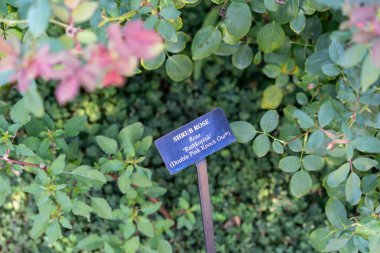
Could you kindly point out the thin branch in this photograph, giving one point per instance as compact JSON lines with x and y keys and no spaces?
{"x":10,"y":161}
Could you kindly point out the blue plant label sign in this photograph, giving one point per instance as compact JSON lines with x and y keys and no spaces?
{"x":195,"y":140}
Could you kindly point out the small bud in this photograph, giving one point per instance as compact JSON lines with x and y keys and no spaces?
{"x":310,"y":86}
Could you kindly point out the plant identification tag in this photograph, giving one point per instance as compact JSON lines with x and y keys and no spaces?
{"x":196,"y":140}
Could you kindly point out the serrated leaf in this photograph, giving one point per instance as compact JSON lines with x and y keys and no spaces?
{"x":140,"y":180}
{"x":74,"y":125}
{"x":53,"y":232}
{"x":91,"y":242}
{"x":108,"y":145}
{"x":58,"y":165}
{"x":87,"y":175}
{"x":101,"y":208}
{"x":145,"y":227}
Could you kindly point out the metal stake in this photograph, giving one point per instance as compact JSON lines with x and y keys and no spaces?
{"x":204,"y":195}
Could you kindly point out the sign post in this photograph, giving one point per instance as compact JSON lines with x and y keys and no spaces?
{"x":191,"y":144}
{"x":206,"y":207}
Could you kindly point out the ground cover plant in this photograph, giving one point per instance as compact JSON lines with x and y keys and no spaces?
{"x":74,"y":165}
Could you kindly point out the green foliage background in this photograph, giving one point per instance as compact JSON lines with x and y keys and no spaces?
{"x":242,"y":185}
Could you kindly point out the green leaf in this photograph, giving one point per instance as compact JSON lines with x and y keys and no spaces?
{"x":124,"y":182}
{"x":82,"y":209}
{"x":38,"y":17}
{"x":167,"y":31}
{"x":270,"y":37}
{"x":53,"y":232}
{"x":154,"y":63}
{"x":39,"y":227}
{"x":364,"y":163}
{"x":269,"y":121}
{"x":74,"y":125}
{"x":298,"y":24}
{"x":272,"y":97}
{"x":58,"y":165}
{"x":335,"y":244}
{"x":374,"y":243}
{"x":206,"y":41}
{"x":353,"y":56}
{"x":132,"y":245}
{"x":367,"y":144}
{"x":164,"y":247}
{"x":286,"y":12}
{"x":335,"y":178}
{"x":87,"y":175}
{"x":84,"y":11}
{"x":238,"y":19}
{"x":179,"y":67}
{"x":272,"y":70}
{"x":65,"y":222}
{"x":336,"y":213}
{"x":64,"y":200}
{"x":140,"y":180}
{"x":261,"y":145}
{"x":145,"y":227}
{"x":101,"y":208}
{"x":156,"y":191}
{"x":108,"y":145}
{"x":353,"y":191}
{"x":314,"y":63}
{"x":20,"y":113}
{"x":180,"y":45}
{"x":170,"y":13}
{"x":131,"y":133}
{"x":91,"y":242}
{"x":326,"y":114}
{"x":290,"y":164}
{"x":112,"y":166}
{"x":303,"y":119}
{"x":150,"y":208}
{"x":108,"y":248}
{"x":33,"y":101}
{"x":87,"y":37}
{"x":330,"y":70}
{"x":313,"y":162}
{"x":23,"y":150}
{"x":319,"y":238}
{"x":278,"y":147}
{"x":242,"y":57}
{"x":243,"y":131}
{"x":369,"y":73}
{"x":300,"y":184}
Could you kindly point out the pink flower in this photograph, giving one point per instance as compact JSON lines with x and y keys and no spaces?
{"x":25,"y":67}
{"x":145,"y":43}
{"x":376,"y":53}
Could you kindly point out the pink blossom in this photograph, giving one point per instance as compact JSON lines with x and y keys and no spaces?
{"x":145,"y":43}
{"x":376,"y":53}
